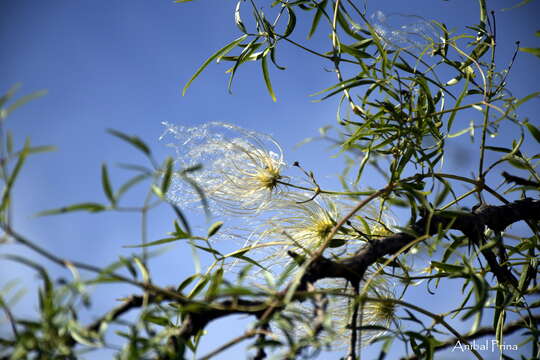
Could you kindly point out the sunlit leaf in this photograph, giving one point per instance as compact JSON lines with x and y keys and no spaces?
{"x":224,"y":50}
{"x":90,"y":207}
{"x":214,"y":228}
{"x":267,"y":78}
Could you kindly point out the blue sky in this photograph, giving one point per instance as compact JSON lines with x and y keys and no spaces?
{"x":122,"y":65}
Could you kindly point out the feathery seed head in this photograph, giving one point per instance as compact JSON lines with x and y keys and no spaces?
{"x":240,"y":172}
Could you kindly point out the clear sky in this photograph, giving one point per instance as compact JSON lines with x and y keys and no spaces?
{"x":122,"y":65}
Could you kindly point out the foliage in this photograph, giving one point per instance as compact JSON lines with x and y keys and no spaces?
{"x":317,"y":268}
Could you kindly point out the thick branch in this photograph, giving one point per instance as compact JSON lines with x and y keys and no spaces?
{"x":473,"y":224}
{"x":196,"y":321}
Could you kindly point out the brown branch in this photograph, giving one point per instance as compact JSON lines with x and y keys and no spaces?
{"x":484,"y":331}
{"x":352,"y":269}
{"x":197,"y":320}
{"x":472,"y":224}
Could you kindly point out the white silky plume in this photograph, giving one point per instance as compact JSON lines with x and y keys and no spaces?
{"x":305,"y":222}
{"x":379,"y":312}
{"x":405,"y":31}
{"x":240,"y":169}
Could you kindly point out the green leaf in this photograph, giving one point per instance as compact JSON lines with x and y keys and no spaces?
{"x":13,"y":176}
{"x":457,"y":105}
{"x":158,"y":320}
{"x":499,"y":307}
{"x":353,"y":51}
{"x":106,"y":183}
{"x":134,"y":167}
{"x":447,"y":267}
{"x":214,"y":228}
{"x":130,"y":183}
{"x":209,"y":250}
{"x":264,"y":65}
{"x":224,"y":50}
{"x":142,"y":268}
{"x":157,"y":191}
{"x":238,"y":19}
{"x":133,"y":140}
{"x":518,"y":163}
{"x":291,"y":24}
{"x":157,"y":242}
{"x":498,"y":149}
{"x":182,"y":219}
{"x":90,"y":207}
{"x":217,"y":279}
{"x":347,"y":84}
{"x":443,"y":194}
{"x":527,"y":98}
{"x":10,"y":93}
{"x":186,"y":282}
{"x":317,"y":17}
{"x":533,"y":51}
{"x":22,"y":101}
{"x":244,"y":56}
{"x":168,"y":175}
{"x":248,"y":259}
{"x":535,"y":132}
{"x":9,"y":142}
{"x":197,"y":288}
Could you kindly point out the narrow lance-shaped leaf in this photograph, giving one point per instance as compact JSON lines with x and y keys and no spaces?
{"x":90,"y":207}
{"x":129,"y":184}
{"x":527,"y":98}
{"x":182,"y":218}
{"x":24,"y":100}
{"x":535,"y":132}
{"x":13,"y":176}
{"x":167,"y":176}
{"x":317,"y":17}
{"x":291,"y":24}
{"x":9,"y":142}
{"x":238,"y":19}
{"x":242,"y":58}
{"x":483,"y":13}
{"x":224,"y":50}
{"x":214,"y":228}
{"x":457,"y":105}
{"x":533,"y":51}
{"x":143,"y":269}
{"x":264,"y":65}
{"x":133,"y":140}
{"x":7,"y":96}
{"x":215,"y":282}
{"x":157,"y":242}
{"x":106,"y":183}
